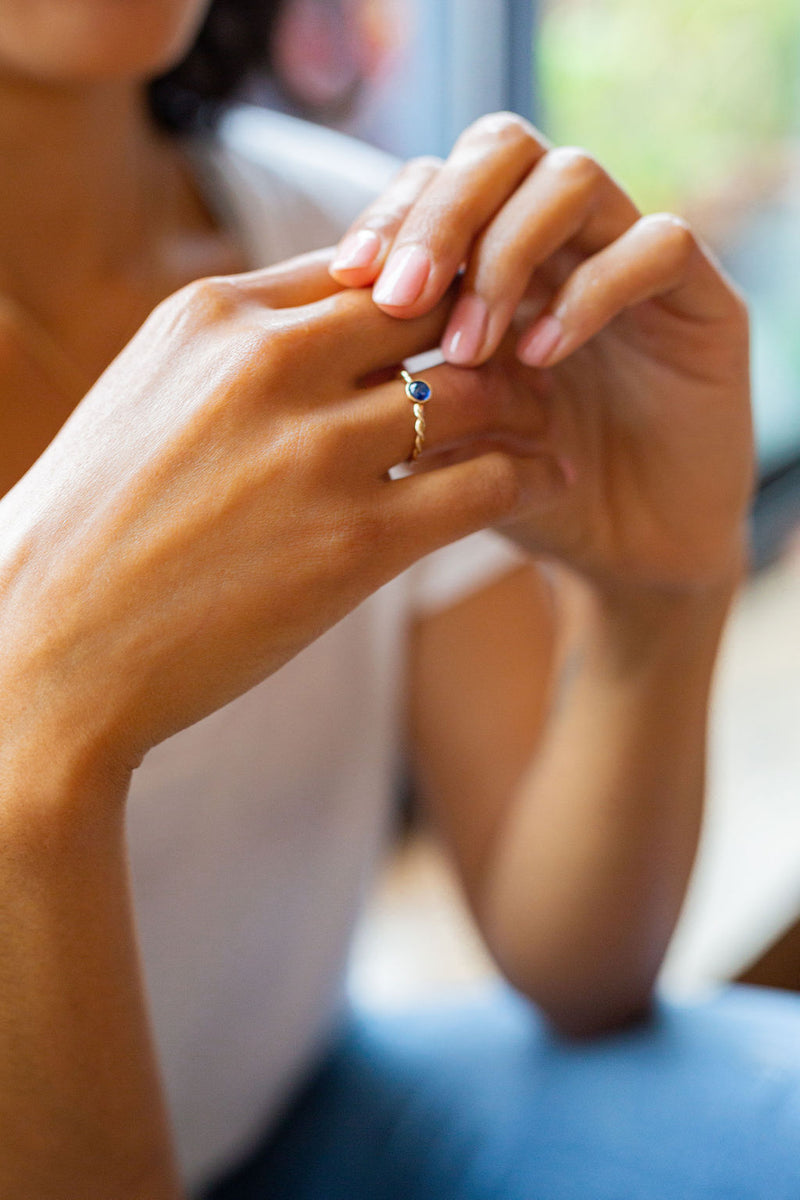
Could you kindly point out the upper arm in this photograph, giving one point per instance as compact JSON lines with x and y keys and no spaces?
{"x":480,"y":686}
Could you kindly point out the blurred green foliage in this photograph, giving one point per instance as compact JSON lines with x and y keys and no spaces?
{"x":674,"y":96}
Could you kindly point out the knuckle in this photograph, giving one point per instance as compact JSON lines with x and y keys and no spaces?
{"x":273,"y":356}
{"x":423,"y":164}
{"x":390,"y":210}
{"x":342,"y":315}
{"x":289,"y":352}
{"x":386,"y":217}
{"x":502,"y":128}
{"x":675,"y":235}
{"x":445,"y":230}
{"x":284,"y":343}
{"x":576,"y":165}
{"x":444,"y":225}
{"x":212,"y":298}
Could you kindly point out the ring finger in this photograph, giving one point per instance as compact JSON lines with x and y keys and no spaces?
{"x":481,"y":408}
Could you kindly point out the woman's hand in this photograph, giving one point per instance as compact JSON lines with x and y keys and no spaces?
{"x":619,"y":333}
{"x":615,"y":345}
{"x":218,"y":500}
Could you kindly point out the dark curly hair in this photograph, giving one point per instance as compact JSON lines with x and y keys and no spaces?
{"x":233,"y":44}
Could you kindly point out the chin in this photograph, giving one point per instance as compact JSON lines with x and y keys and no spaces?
{"x":74,"y":41}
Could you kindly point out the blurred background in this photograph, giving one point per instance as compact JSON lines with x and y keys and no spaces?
{"x":695,"y":106}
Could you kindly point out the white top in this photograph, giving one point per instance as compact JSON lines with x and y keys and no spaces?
{"x":255,"y":833}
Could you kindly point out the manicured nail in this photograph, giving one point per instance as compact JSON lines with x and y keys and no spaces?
{"x":466,"y":329}
{"x":403,"y":277}
{"x":539,"y":343}
{"x":357,"y":250}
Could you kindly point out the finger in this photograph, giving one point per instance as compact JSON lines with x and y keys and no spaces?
{"x":355,"y":339}
{"x":426,"y":512}
{"x":480,"y":409}
{"x":487,"y":164}
{"x":362,"y":251}
{"x":567,"y":199}
{"x":659,"y":257}
{"x":297,"y":281}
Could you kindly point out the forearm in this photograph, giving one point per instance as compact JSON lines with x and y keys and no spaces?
{"x":81,"y":1114}
{"x":589,"y":869}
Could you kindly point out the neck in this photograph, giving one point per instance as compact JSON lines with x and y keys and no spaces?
{"x":78,"y":167}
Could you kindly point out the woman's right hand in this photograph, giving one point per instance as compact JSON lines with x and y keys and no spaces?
{"x":219,"y":499}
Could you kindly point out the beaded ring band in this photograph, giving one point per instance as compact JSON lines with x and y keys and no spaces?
{"x":419,"y":393}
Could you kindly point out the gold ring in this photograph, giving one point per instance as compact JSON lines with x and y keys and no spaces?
{"x":419,"y":393}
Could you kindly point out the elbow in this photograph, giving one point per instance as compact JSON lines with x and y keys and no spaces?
{"x":602,"y":1018}
{"x":581,"y":1005}
{"x":586,"y":984}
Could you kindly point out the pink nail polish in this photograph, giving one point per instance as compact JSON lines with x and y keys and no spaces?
{"x":466,"y":329}
{"x":403,"y":277}
{"x":357,"y":250}
{"x":536,"y":347}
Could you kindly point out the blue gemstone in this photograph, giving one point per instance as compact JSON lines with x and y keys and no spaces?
{"x":419,"y":391}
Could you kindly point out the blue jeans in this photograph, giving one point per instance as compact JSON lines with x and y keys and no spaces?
{"x":479,"y":1101}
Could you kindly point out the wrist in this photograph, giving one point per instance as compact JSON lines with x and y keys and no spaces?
{"x":638,"y":628}
{"x":57,"y":751}
{"x":51,"y":761}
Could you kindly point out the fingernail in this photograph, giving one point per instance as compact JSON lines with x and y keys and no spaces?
{"x":466,"y":329}
{"x":539,"y":343}
{"x":357,"y":250}
{"x":403,"y":277}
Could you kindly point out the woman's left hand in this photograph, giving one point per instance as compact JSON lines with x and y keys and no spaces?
{"x":618,"y":334}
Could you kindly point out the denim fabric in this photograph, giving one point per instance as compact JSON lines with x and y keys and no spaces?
{"x":478,"y":1100}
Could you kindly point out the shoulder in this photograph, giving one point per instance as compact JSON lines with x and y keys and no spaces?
{"x":324,"y":177}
